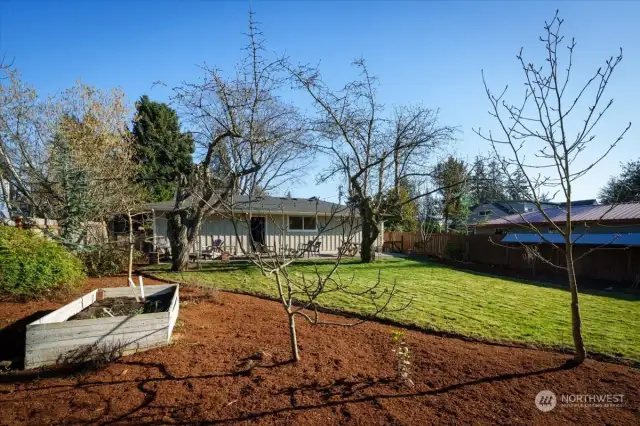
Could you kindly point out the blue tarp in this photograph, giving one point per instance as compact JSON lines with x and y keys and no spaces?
{"x":632,"y":239}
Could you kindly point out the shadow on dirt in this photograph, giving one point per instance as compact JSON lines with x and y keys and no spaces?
{"x":13,"y":338}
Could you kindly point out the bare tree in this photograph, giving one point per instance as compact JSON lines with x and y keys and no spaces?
{"x":65,"y":157}
{"x":300,"y":294}
{"x":248,"y":140}
{"x":540,"y":127}
{"x":372,"y":151}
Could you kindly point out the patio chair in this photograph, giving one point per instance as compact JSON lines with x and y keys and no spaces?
{"x":210,"y":251}
{"x":264,"y":249}
{"x":163,"y":247}
{"x":300,"y":251}
{"x":315,"y":249}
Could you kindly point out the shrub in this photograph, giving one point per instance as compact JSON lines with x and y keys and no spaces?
{"x":454,"y":251}
{"x":108,"y":260}
{"x":31,"y":265}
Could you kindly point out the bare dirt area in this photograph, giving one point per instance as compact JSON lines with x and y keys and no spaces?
{"x":229,"y":364}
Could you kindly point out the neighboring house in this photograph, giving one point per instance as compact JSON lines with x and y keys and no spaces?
{"x":278,"y":222}
{"x":490,"y":210}
{"x":591,"y":225}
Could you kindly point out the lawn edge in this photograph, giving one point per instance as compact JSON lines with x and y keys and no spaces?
{"x":596,"y":356}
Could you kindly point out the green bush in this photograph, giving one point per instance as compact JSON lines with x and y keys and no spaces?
{"x":454,"y":251}
{"x":109,"y":260}
{"x":31,"y":265}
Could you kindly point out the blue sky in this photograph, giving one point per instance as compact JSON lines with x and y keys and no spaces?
{"x":423,"y":52}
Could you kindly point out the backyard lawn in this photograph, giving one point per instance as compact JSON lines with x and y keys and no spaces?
{"x":446,"y":299}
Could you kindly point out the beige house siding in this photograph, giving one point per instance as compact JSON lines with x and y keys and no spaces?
{"x":277,"y":234}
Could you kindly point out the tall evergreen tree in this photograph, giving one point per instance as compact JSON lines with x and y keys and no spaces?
{"x":624,"y":188}
{"x":72,"y":200}
{"x":402,"y":213}
{"x":451,"y":176}
{"x":486,"y":182}
{"x":518,"y":187}
{"x":162,"y":150}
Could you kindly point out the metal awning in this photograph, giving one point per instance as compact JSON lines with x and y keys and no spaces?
{"x":630,"y":239}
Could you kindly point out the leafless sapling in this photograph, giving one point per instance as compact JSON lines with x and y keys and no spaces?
{"x":542,"y":138}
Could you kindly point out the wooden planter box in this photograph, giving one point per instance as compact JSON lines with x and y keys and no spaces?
{"x":54,"y":339}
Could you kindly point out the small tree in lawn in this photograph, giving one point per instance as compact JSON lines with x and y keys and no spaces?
{"x":543,"y":136}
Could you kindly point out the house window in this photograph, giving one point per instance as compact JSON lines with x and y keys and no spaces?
{"x":500,"y":231}
{"x":486,"y":213}
{"x":302,"y":223}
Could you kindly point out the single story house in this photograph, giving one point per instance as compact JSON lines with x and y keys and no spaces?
{"x":591,"y":225}
{"x":280,"y":223}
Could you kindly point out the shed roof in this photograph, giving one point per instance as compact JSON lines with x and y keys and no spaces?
{"x":630,"y":239}
{"x":273,"y":205}
{"x":624,"y":212}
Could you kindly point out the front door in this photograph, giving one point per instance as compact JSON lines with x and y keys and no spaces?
{"x":257,"y":231}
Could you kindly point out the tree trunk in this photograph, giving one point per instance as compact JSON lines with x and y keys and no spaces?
{"x":370,"y":234}
{"x":293,"y":338}
{"x":131,"y":242}
{"x":179,"y":240}
{"x":576,"y":320}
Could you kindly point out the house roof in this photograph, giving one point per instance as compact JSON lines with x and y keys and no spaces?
{"x":272,"y":205}
{"x":507,"y":206}
{"x":624,"y":212}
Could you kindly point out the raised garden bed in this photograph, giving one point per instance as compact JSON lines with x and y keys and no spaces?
{"x":102,"y":324}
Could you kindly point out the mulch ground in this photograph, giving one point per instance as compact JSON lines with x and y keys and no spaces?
{"x":210,"y":375}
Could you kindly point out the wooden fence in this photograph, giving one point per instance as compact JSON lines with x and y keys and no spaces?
{"x":620,"y":265}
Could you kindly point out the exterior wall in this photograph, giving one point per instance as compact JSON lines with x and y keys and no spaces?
{"x":497,"y":212}
{"x":277,"y":234}
{"x":474,"y":216}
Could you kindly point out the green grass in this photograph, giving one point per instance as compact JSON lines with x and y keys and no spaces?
{"x":469,"y":303}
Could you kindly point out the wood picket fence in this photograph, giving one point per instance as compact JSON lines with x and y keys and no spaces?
{"x":619,"y":264}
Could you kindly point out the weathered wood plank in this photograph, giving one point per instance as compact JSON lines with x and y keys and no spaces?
{"x":50,"y":341}
{"x":149,"y":290}
{"x":174,"y":309}
{"x":111,"y":343}
{"x":38,"y":336}
{"x":124,"y":338}
{"x":97,"y":321}
{"x":68,"y":310}
{"x":35,"y":361}
{"x":53,"y":356}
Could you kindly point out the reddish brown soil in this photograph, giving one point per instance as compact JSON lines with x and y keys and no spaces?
{"x":345,"y":377}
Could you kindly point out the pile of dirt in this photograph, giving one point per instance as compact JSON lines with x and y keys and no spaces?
{"x":230,"y":363}
{"x":124,"y":306}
